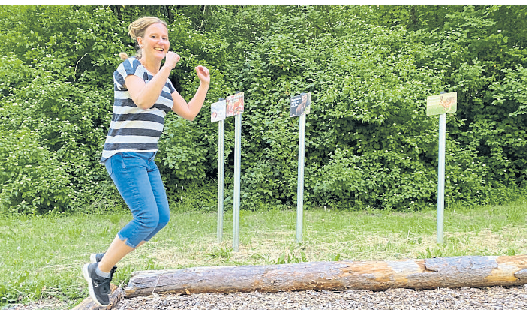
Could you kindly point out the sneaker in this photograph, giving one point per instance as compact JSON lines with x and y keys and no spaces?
{"x":96,"y":258}
{"x":99,"y":286}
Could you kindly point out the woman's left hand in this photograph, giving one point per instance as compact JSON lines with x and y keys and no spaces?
{"x":203,"y":74}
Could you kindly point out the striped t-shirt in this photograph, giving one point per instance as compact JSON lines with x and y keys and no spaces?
{"x":133,"y":129}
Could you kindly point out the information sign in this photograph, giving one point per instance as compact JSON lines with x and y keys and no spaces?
{"x":218,"y":111}
{"x":235,"y":104}
{"x":440,"y":104}
{"x":300,"y":104}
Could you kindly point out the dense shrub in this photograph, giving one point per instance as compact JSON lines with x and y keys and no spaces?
{"x":33,"y":179}
{"x":369,"y":69}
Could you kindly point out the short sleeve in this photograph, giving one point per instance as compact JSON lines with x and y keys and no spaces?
{"x":130,"y":66}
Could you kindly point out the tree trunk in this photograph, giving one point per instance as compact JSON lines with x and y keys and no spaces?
{"x":469,"y":271}
{"x":169,"y":14}
{"x":117,"y":11}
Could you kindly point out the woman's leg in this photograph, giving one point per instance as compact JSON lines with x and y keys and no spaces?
{"x":116,"y":251}
{"x":129,"y":172}
{"x":160,"y":195}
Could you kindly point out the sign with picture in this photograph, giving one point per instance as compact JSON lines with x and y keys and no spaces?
{"x":235,"y":104}
{"x":440,"y":104}
{"x":300,"y":104}
{"x":218,"y":111}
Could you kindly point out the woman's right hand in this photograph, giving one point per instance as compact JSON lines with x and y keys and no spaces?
{"x":171,"y":60}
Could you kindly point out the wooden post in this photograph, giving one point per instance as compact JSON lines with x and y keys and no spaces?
{"x":469,"y":271}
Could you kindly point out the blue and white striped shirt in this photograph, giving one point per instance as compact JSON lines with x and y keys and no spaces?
{"x":133,"y":129}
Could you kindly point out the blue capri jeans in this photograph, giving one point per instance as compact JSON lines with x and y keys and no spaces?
{"x":139,"y":182}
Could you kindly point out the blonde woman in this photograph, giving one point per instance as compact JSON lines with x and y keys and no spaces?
{"x":143,"y":95}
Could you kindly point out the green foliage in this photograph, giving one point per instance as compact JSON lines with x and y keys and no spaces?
{"x":33,"y":179}
{"x":60,"y":118}
{"x":291,"y":258}
{"x":369,"y":69}
{"x":512,"y":89}
{"x":182,"y":152}
{"x":222,"y":253}
{"x":374,"y":181}
{"x":191,"y":196}
{"x":355,"y":81}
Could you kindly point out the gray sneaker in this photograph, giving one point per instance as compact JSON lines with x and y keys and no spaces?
{"x":99,"y":286}
{"x":96,"y":258}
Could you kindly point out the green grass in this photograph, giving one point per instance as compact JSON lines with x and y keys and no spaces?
{"x":41,"y":256}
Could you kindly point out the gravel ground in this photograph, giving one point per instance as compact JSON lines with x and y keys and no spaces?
{"x":513,"y":298}
{"x":442,"y":298}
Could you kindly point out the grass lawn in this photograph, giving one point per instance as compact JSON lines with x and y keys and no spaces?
{"x":41,"y":256}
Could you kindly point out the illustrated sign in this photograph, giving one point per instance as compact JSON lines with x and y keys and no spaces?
{"x":235,"y":104}
{"x":440,"y":104}
{"x":218,"y":111}
{"x":300,"y":104}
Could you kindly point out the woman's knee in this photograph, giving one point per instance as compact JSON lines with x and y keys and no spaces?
{"x":149,"y":221}
{"x":160,"y":226}
{"x":164,"y":217}
{"x":163,"y":221}
{"x":155,"y":221}
{"x":153,"y":232}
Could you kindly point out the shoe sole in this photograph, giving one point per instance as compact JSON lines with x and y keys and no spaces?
{"x":87,"y":277}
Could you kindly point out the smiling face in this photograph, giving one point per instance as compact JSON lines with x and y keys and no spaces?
{"x":154,"y":44}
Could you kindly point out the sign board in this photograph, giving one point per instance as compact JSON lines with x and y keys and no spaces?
{"x":218,"y":111}
{"x":440,"y":104}
{"x":235,"y":104}
{"x":300,"y":104}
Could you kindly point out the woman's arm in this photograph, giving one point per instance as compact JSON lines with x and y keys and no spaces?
{"x":144,"y":94}
{"x":190,"y":110}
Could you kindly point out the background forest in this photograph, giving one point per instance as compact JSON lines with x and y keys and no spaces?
{"x":370,"y":69}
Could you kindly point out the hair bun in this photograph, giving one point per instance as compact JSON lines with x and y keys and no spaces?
{"x":123,"y":56}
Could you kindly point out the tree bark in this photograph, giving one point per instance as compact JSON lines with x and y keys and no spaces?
{"x":169,"y":14}
{"x":468,"y":271}
{"x":117,"y":11}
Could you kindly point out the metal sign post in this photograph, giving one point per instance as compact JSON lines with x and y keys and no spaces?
{"x":441,"y":177}
{"x":235,"y":106}
{"x":218,"y":110}
{"x":221,"y":177}
{"x":237,"y":164}
{"x":300,"y":187}
{"x":300,"y":106}
{"x":442,"y":104}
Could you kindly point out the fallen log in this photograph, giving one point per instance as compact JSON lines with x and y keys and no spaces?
{"x":467,"y":271}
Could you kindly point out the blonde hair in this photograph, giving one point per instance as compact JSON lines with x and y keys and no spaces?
{"x":137,"y":29}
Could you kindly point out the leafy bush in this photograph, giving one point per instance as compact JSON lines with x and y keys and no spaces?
{"x":354,"y":92}
{"x":369,"y":69}
{"x":33,"y":179}
{"x":182,"y":152}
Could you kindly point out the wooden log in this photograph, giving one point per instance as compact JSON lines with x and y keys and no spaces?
{"x":468,"y":271}
{"x":89,"y":304}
